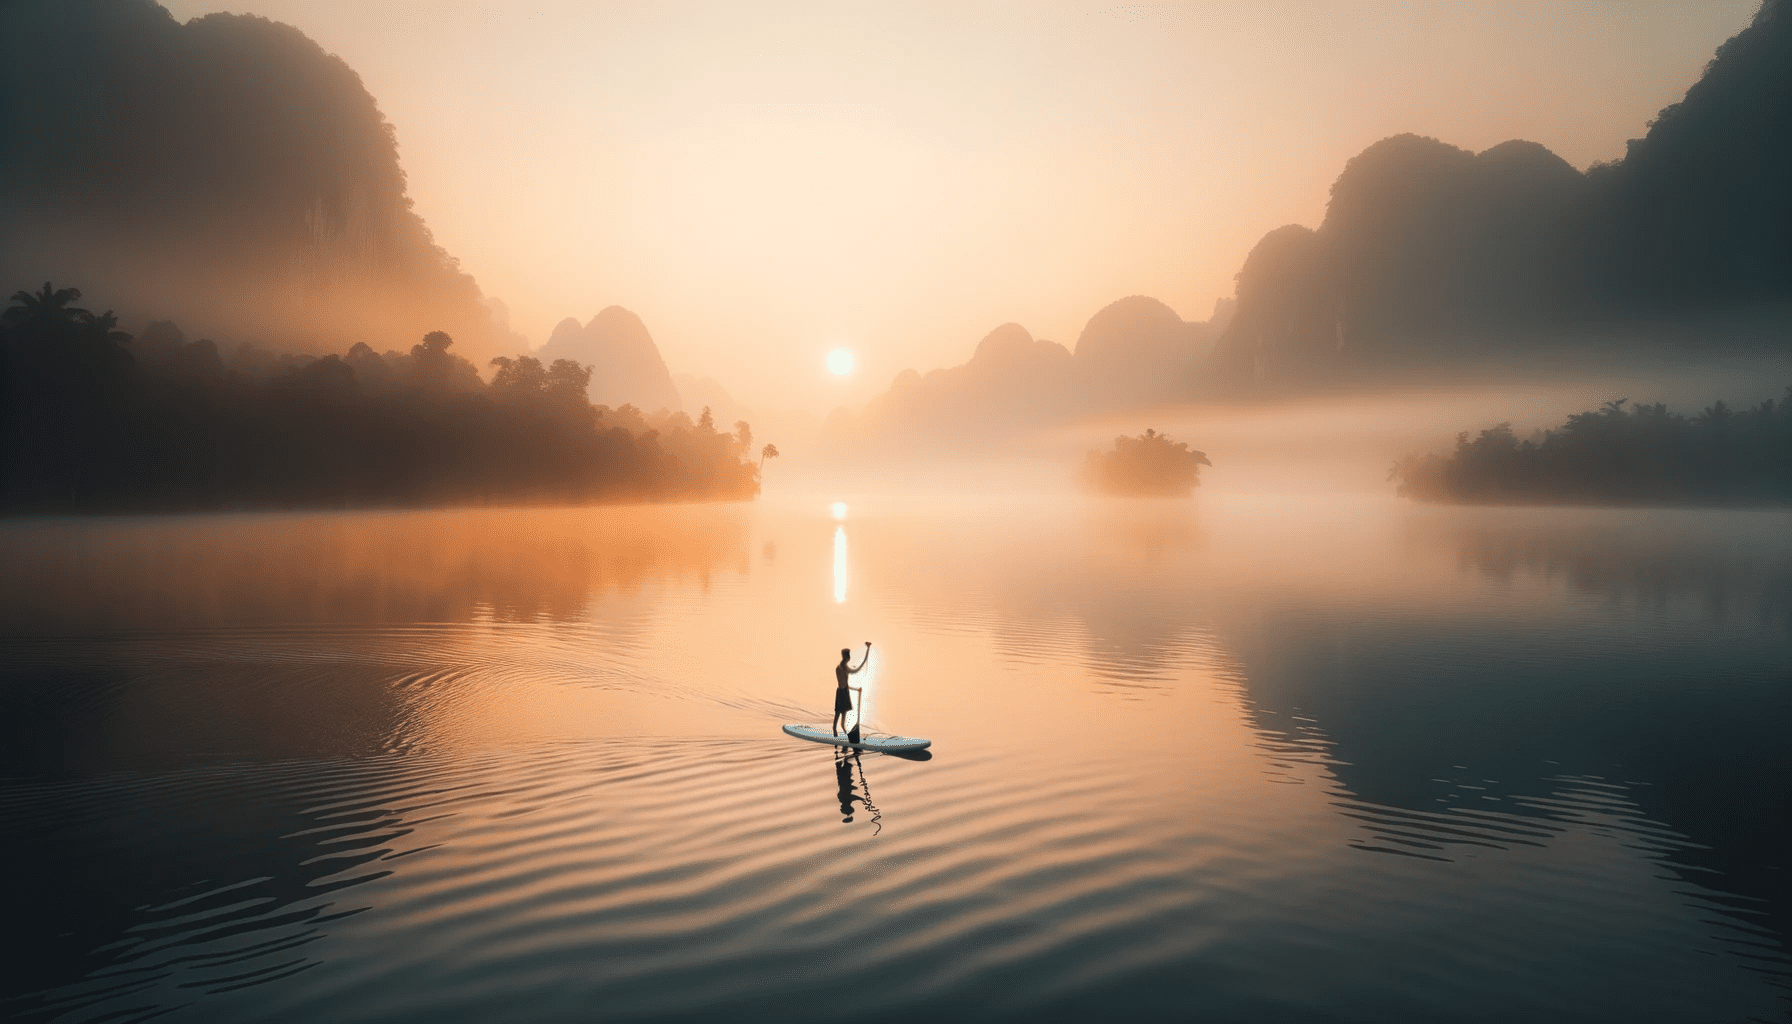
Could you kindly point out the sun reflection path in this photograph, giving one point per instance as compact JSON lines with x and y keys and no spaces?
{"x":867,"y":680}
{"x":840,"y":569}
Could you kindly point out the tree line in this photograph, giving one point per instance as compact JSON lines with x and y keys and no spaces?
{"x":1639,"y":455}
{"x":93,"y":420}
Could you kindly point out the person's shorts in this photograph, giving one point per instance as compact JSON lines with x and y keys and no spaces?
{"x":842,"y":701}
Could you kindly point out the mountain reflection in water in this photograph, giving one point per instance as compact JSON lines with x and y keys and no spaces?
{"x":1302,"y":761}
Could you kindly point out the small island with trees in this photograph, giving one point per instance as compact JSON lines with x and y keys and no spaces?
{"x":94,"y":420}
{"x":1641,"y":455}
{"x":1148,"y":466}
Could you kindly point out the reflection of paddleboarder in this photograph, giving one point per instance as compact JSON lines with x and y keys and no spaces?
{"x":844,"y":762}
{"x":842,"y":692}
{"x":843,"y":779}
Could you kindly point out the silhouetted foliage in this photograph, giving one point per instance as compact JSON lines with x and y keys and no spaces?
{"x":91,"y":419}
{"x":1646,"y":455}
{"x":1150,"y":465}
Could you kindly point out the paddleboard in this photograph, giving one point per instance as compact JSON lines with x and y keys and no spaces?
{"x":886,"y":744}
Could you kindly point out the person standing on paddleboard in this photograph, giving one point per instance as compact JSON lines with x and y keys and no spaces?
{"x":842,"y":692}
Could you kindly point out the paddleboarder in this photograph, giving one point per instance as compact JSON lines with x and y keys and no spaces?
{"x":842,"y":692}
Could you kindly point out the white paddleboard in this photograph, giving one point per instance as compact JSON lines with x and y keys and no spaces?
{"x":888,"y":744}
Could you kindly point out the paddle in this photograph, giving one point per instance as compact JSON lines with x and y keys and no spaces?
{"x":852,"y":735}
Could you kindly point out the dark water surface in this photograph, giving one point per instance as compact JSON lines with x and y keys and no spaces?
{"x":1222,"y":760}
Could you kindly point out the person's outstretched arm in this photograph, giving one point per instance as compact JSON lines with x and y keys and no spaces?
{"x":863,"y":660}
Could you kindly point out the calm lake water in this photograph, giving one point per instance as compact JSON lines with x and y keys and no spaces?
{"x":1228,"y":759}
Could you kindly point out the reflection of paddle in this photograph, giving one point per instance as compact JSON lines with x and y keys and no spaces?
{"x":877,"y":816}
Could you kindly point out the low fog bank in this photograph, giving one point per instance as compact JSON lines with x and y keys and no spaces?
{"x":1136,"y":359}
{"x":1339,"y":444}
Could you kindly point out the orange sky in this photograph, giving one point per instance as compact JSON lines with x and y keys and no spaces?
{"x":762,"y":182}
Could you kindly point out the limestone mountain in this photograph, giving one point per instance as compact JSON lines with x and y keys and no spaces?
{"x":1697,"y":213}
{"x":1010,"y":379}
{"x":626,"y":367}
{"x":1429,"y":253}
{"x":226,"y":173}
{"x":1134,"y":352}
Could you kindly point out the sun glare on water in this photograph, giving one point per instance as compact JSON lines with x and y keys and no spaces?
{"x":840,"y":362}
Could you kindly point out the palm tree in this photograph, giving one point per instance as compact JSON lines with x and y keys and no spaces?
{"x":48,"y":306}
{"x":48,"y":321}
{"x":103,"y":327}
{"x":770,"y":451}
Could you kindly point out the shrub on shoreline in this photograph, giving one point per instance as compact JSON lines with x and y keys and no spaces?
{"x":1150,"y":465}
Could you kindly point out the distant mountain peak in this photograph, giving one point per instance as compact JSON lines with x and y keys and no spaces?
{"x":1008,"y":344}
{"x":1125,"y":326}
{"x":627,"y":368}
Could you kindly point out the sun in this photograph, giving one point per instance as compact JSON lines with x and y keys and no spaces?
{"x":840,"y":362}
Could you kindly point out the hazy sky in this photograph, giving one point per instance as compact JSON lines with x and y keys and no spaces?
{"x":763,"y":182}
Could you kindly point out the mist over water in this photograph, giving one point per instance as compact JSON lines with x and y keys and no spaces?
{"x":1283,"y":748}
{"x":1236,"y":758}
